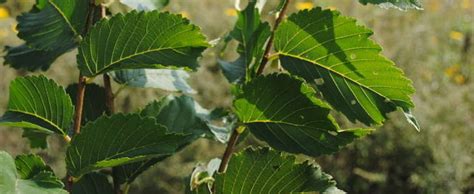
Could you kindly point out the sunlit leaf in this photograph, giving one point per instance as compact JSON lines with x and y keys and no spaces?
{"x":140,"y":40}
{"x":267,"y":171}
{"x":39,"y":103}
{"x":336,"y":55}
{"x":284,"y":112}
{"x":118,"y":140}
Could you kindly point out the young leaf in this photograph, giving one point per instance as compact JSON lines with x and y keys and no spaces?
{"x":30,"y":59}
{"x":399,"y":4}
{"x":252,"y":35}
{"x":165,"y":79}
{"x":284,"y":112}
{"x":93,"y":183}
{"x":38,"y":139}
{"x":336,"y":54}
{"x":42,"y":182}
{"x":118,"y":140}
{"x":39,"y":103}
{"x":94,"y":101}
{"x":140,"y":40}
{"x":58,"y":23}
{"x":30,"y":165}
{"x":146,"y":5}
{"x":267,"y":171}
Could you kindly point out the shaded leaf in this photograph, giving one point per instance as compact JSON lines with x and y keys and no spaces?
{"x":93,"y":183}
{"x":336,"y":55}
{"x":252,"y":34}
{"x":54,"y":25}
{"x":165,"y":79}
{"x":129,"y":172}
{"x":267,"y":171}
{"x":39,"y":103}
{"x":146,"y":4}
{"x":140,"y":40}
{"x":118,"y":140}
{"x":284,"y":112}
{"x":94,"y":101}
{"x":41,"y":182}
{"x":30,"y":59}
{"x":38,"y":139}
{"x":30,"y":165}
{"x":399,"y":4}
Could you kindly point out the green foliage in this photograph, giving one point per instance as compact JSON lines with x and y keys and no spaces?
{"x":335,"y":54}
{"x":252,"y":34}
{"x":29,"y":175}
{"x":118,"y":140}
{"x":268,"y":171}
{"x":284,"y":112}
{"x":323,"y":53}
{"x":140,"y":40}
{"x":39,"y":103}
{"x":400,"y":4}
{"x":93,"y":183}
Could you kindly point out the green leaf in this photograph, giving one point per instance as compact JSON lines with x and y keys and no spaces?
{"x":40,"y":182}
{"x":39,"y":103}
{"x":57,"y":23}
{"x":399,"y":4}
{"x":146,"y":4}
{"x":267,"y":171}
{"x":252,"y":34}
{"x":30,"y":165}
{"x":94,"y":101}
{"x":38,"y":139}
{"x":177,"y":114}
{"x":118,"y":140}
{"x":165,"y":79}
{"x":93,"y":183}
{"x":284,"y":112}
{"x":334,"y":53}
{"x":30,"y":59}
{"x":129,"y":172}
{"x":201,"y":178}
{"x":140,"y":40}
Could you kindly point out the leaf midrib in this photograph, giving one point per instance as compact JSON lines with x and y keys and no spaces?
{"x":64,"y":17}
{"x":39,"y":117}
{"x":335,"y":72}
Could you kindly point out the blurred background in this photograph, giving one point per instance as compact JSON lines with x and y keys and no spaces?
{"x":433,"y":47}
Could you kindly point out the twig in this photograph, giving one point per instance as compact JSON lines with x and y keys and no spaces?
{"x":268,"y":48}
{"x":234,"y":137}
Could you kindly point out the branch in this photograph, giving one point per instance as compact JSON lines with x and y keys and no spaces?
{"x":269,"y":45}
{"x":234,"y":137}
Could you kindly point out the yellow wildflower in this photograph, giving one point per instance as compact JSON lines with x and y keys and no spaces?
{"x":460,"y":79}
{"x":304,"y":5}
{"x":466,"y":4}
{"x":452,"y":70}
{"x":231,"y":12}
{"x":455,"y":35}
{"x":4,"y":13}
{"x":185,"y":14}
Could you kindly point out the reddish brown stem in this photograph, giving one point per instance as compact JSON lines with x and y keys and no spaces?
{"x":269,"y":45}
{"x":81,"y":89}
{"x":234,"y":137}
{"x":229,"y":150}
{"x":109,"y":96}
